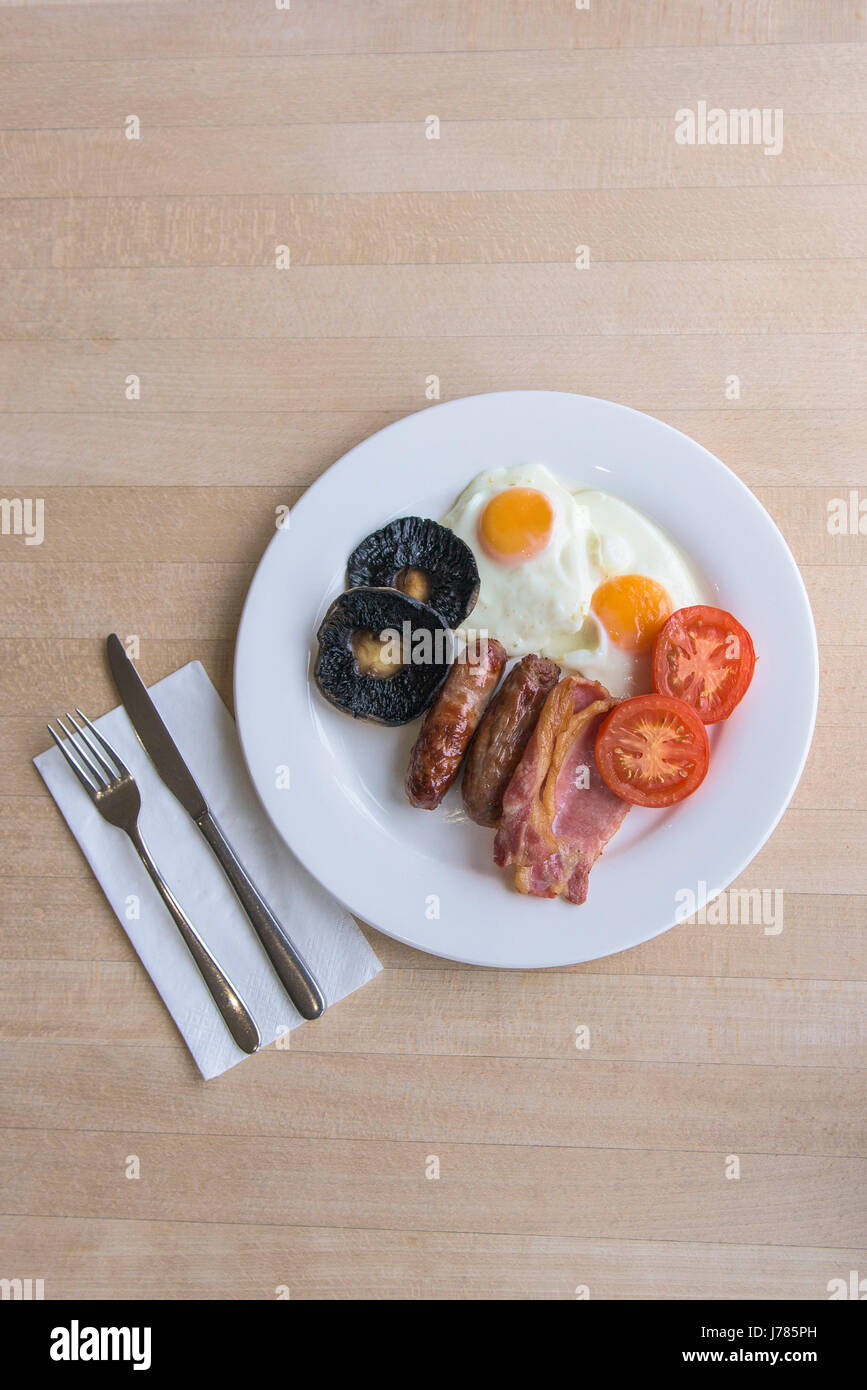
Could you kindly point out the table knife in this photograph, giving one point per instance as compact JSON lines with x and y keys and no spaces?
{"x":292,"y":971}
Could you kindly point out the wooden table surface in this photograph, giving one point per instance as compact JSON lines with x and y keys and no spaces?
{"x":165,"y":385}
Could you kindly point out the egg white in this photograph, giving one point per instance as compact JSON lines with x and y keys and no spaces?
{"x":524,"y":605}
{"x":543,"y":604}
{"x":626,"y":542}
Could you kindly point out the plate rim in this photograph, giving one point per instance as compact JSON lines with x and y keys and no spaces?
{"x":641,"y":934}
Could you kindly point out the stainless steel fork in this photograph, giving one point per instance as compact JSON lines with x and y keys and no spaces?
{"x":113,"y":791}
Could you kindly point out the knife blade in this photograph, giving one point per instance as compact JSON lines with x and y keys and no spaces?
{"x":292,"y":970}
{"x":152,"y":732}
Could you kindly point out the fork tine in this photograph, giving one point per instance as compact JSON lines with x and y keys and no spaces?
{"x":110,"y":772}
{"x":84,"y":754}
{"x":82,"y":776}
{"x":124,"y":770}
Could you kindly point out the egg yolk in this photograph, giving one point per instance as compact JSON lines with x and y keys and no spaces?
{"x":516,"y":525}
{"x":632,"y":609}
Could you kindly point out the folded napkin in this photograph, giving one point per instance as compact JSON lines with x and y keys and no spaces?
{"x":320,"y":928}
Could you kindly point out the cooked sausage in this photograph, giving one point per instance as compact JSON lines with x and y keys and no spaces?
{"x":503,"y":735}
{"x":451,"y":722}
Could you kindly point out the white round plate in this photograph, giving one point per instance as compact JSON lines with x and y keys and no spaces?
{"x":428,"y":877}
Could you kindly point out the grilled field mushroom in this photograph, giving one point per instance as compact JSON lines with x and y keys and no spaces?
{"x":382,"y":655}
{"x":422,"y":559}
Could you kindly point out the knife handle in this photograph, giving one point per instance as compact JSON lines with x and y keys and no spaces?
{"x":292,"y":970}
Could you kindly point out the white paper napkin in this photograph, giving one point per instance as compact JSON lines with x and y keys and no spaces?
{"x":320,"y":928}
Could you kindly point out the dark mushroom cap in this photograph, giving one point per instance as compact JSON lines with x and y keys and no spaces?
{"x":365,"y":694}
{"x":416,"y":544}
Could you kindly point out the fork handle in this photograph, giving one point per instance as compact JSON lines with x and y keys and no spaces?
{"x":236,"y":1015}
{"x":292,"y":970}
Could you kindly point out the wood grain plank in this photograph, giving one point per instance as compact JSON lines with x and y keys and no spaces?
{"x":779,"y":1199}
{"x":37,"y":676}
{"x":761,"y":223}
{"x":839,"y":587}
{"x":651,"y":1019}
{"x":118,"y":1259}
{"x":487,"y":1101}
{"x":194,"y":28}
{"x":819,"y":1023}
{"x":771,"y":450}
{"x":203,"y":524}
{"x":370,"y":157}
{"x":823,"y":937}
{"x":842,"y":694}
{"x":656,"y":373}
{"x":322,"y":89}
{"x":804,"y":515}
{"x":824,"y":779}
{"x":447,"y":301}
{"x":90,"y":599}
{"x":202,"y":449}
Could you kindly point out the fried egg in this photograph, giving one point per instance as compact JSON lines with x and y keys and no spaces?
{"x":640,"y":577}
{"x":531,"y":544}
{"x":578,"y":576}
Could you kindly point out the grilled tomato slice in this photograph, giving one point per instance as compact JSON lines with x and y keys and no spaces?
{"x":652,"y":751}
{"x":706,"y":658}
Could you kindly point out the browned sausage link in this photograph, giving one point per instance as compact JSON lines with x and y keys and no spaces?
{"x":451,"y":722}
{"x":503,"y":735}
